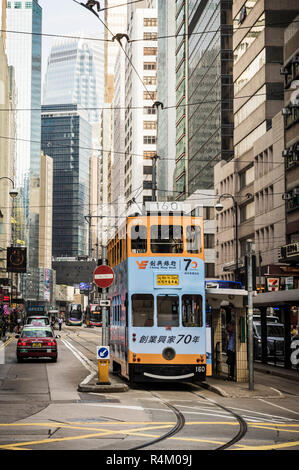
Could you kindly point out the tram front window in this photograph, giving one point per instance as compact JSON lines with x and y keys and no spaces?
{"x":192,"y":310}
{"x":76,"y":315}
{"x":142,"y":310}
{"x":166,"y":239}
{"x":168,"y":310}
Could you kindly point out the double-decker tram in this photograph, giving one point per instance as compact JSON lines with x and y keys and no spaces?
{"x":93,"y":315}
{"x":157,"y":314}
{"x":74,"y":315}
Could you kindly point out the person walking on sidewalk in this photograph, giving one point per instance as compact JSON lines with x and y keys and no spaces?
{"x":60,"y":323}
{"x":231,"y":349}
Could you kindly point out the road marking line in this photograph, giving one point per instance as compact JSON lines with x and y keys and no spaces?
{"x":277,"y":406}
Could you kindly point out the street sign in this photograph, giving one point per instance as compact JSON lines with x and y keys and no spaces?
{"x":103,"y":352}
{"x":104,"y":303}
{"x":103,"y":276}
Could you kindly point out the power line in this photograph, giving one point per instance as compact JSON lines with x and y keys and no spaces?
{"x":195,"y":103}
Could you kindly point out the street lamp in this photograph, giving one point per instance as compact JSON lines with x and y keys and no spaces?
{"x":219,"y":208}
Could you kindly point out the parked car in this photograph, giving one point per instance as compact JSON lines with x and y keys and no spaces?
{"x":275,"y":340}
{"x":36,"y":341}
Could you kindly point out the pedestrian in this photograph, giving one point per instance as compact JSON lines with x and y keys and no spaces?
{"x":231,"y":349}
{"x":60,"y":323}
{"x":294,"y":330}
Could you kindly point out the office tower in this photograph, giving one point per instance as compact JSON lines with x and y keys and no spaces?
{"x":46,"y":209}
{"x":118,"y":144}
{"x":166,"y":133}
{"x":180,"y":174}
{"x":141,"y":94}
{"x":289,"y":253}
{"x":210,"y":90}
{"x":116,"y":21}
{"x":67,"y":137}
{"x":254,"y":179}
{"x":75,"y":74}
{"x":7,"y":151}
{"x":24,"y":54}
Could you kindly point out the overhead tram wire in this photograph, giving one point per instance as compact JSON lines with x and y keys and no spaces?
{"x":195,"y":103}
{"x":124,"y":153}
{"x":132,"y":40}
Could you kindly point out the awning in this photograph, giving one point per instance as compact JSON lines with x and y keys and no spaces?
{"x":277,"y":298}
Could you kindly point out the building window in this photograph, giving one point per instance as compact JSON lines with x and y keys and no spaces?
{"x":18,"y":5}
{"x":149,"y":51}
{"x":149,"y":125}
{"x":149,"y":66}
{"x":150,"y":22}
{"x":150,"y":80}
{"x":209,"y":270}
{"x":246,"y":211}
{"x":150,"y":36}
{"x":148,"y":155}
{"x":149,"y":139}
{"x":246,"y":177}
{"x":150,"y":95}
{"x":28,"y":5}
{"x":149,"y":110}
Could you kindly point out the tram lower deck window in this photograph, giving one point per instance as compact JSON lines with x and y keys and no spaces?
{"x":142,"y":310}
{"x":168,"y":310}
{"x":166,"y":239}
{"x":192,"y":310}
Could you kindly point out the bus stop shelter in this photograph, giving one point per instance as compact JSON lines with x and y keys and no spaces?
{"x":284,"y":299}
{"x":234,"y":302}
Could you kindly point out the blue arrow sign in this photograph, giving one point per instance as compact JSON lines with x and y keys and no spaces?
{"x":103,"y":352}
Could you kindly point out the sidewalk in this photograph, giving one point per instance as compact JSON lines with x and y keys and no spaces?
{"x":226,"y":388}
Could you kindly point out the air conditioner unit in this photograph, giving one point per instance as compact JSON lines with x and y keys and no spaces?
{"x":283,"y":71}
{"x":286,"y":111}
{"x":285,"y":153}
{"x":287,"y":196}
{"x":295,"y":191}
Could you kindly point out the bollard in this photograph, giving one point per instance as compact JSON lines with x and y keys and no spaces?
{"x":103,"y":356}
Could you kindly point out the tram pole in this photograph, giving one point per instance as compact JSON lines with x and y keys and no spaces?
{"x":250,"y":315}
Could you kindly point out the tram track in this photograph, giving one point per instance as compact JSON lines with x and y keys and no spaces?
{"x":180,"y":418}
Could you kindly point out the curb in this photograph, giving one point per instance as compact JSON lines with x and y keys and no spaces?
{"x":115,"y":386}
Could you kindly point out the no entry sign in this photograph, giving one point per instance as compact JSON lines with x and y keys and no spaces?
{"x":103,"y":276}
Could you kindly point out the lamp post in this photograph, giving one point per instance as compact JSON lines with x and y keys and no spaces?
{"x":219,"y":208}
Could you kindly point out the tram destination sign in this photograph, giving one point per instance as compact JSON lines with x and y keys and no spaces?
{"x":103,"y":276}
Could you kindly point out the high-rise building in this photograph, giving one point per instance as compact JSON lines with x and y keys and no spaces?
{"x":166,"y":133}
{"x":141,"y":94}
{"x":210,"y":90}
{"x":7,"y":151}
{"x":66,"y":137}
{"x":254,"y":180}
{"x":75,"y":74}
{"x":180,"y":179}
{"x":24,"y":54}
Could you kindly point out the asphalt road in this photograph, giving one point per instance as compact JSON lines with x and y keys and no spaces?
{"x":41,"y":409}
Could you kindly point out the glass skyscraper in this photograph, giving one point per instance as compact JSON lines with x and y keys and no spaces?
{"x":75,"y":74}
{"x":24,"y":54}
{"x":210,"y":90}
{"x":67,"y":137}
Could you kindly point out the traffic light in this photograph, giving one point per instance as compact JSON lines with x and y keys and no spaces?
{"x":253,"y":272}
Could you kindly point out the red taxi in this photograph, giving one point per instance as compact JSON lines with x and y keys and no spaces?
{"x":36,"y":341}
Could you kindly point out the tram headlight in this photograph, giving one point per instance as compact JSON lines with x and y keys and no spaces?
{"x":168,"y":354}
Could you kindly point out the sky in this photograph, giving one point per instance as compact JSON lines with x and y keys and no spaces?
{"x":67,"y":18}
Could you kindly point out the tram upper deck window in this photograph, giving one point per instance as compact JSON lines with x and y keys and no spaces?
{"x":168,"y":310}
{"x":142,"y":310}
{"x":192,"y":310}
{"x":138,"y":239}
{"x":166,"y":239}
{"x":193,"y":239}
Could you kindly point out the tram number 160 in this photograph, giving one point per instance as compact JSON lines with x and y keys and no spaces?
{"x":200,"y":369}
